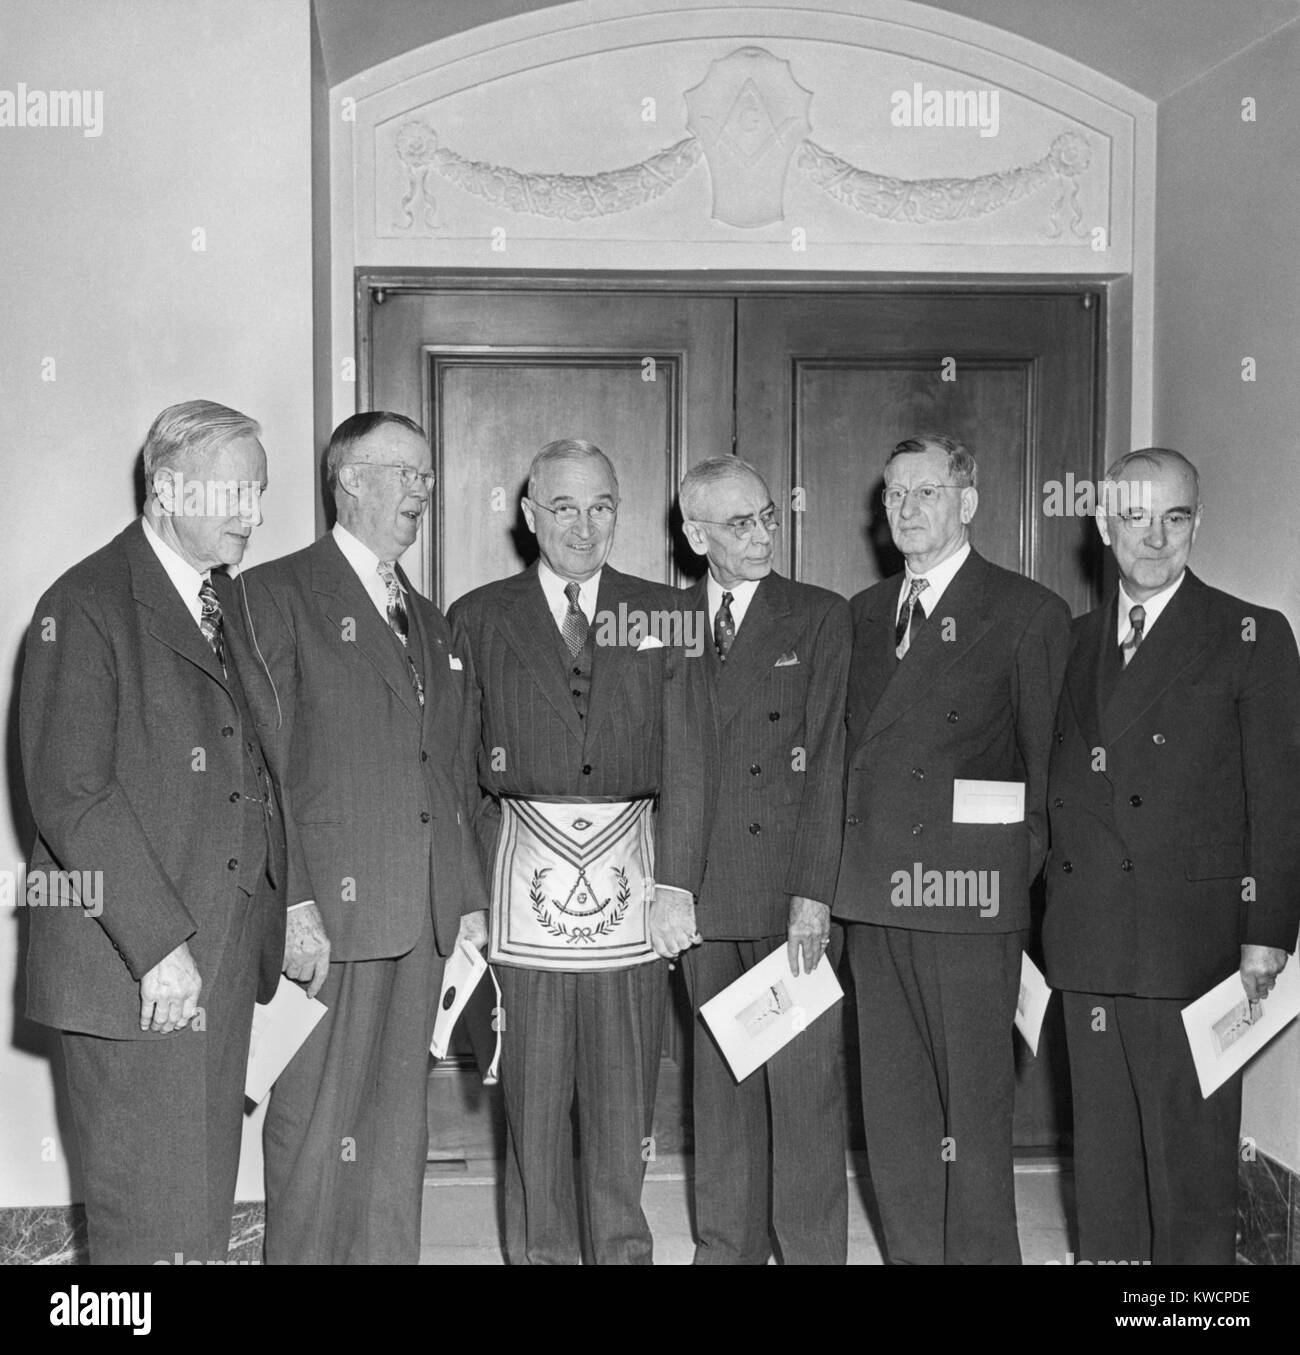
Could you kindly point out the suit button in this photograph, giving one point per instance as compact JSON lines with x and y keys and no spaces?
{"x":586,"y":769}
{"x":234,"y":797}
{"x":756,"y":828}
{"x":424,"y":757}
{"x":424,"y":816}
{"x":227,"y":731}
{"x":1060,"y":738}
{"x":1067,"y":866}
{"x":918,"y":773}
{"x":1135,"y":801}
{"x":774,"y":715}
{"x":918,"y":829}
{"x":1057,"y":803}
{"x":952,"y":717}
{"x":754,"y":769}
{"x":1157,"y":738}
{"x":1126,"y":864}
{"x":578,"y":694}
{"x":577,"y":672}
{"x":852,"y":821}
{"x":233,"y":863}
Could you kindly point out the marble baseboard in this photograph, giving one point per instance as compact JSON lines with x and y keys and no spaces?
{"x":1268,"y":1214}
{"x":55,"y":1235}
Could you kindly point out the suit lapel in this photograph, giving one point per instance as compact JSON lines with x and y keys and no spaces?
{"x":432,"y":651}
{"x":530,"y":629}
{"x":610,"y":663}
{"x":767,"y":632}
{"x":931,"y":654}
{"x":170,"y":620}
{"x":349,"y":607}
{"x":1174,"y":642}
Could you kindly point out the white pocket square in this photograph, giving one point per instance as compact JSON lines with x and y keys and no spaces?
{"x":786,"y":659}
{"x":454,"y":663}
{"x":650,"y":642}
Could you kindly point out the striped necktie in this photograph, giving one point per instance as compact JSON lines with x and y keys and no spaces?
{"x":400,"y":623}
{"x":1137,"y":619}
{"x":210,"y":622}
{"x":910,"y":613}
{"x":575,"y":627}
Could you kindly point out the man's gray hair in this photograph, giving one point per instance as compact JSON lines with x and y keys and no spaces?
{"x":568,"y":449}
{"x":194,"y":429}
{"x":1152,"y":456}
{"x":702,"y":476}
{"x":962,"y":469}
{"x":356,"y":427}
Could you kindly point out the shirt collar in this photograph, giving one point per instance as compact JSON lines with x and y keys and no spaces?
{"x":185,"y":578}
{"x":356,"y":552}
{"x":742,"y":594}
{"x":938,"y":578}
{"x":1153,"y":606}
{"x":553,"y":585}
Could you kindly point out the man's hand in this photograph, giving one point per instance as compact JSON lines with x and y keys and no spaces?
{"x":1260,"y":966}
{"x":809,"y":931}
{"x":169,"y":992}
{"x":672,"y":922}
{"x":306,"y":948}
{"x":473,"y":928}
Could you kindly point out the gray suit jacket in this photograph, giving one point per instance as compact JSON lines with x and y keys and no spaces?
{"x":379,"y":789}
{"x":132,"y":742}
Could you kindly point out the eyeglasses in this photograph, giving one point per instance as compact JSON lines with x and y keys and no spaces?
{"x":1175,"y":522}
{"x":408,"y":474}
{"x":895,"y":496}
{"x":743,"y":528}
{"x":600,"y":514}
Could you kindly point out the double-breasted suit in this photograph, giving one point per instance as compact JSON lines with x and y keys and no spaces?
{"x":1172,"y":791}
{"x":380,"y":792}
{"x":143,"y":766}
{"x":600,"y":1032}
{"x":771,"y":717}
{"x":937,"y":974}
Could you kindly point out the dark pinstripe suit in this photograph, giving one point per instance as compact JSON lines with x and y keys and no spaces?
{"x":600,"y":1032}
{"x":774,"y":823}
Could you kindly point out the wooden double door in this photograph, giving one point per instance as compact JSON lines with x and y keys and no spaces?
{"x":813,"y":387}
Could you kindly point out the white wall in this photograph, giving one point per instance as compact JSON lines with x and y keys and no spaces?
{"x":206,"y":125}
{"x":1227,"y":287}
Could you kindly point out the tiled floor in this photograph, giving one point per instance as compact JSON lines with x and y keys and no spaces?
{"x":461,"y":1215}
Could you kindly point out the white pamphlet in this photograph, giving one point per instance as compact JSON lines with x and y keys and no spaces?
{"x":766,"y":1008}
{"x":461,"y":974}
{"x":1031,"y":1005}
{"x":988,"y":801}
{"x":280,"y":1029}
{"x":1226,"y":1030}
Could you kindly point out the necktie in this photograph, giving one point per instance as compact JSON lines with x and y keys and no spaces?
{"x":910,"y":612}
{"x":1137,"y":619}
{"x":210,"y":621}
{"x":397,"y":619}
{"x":724,"y":629}
{"x":575,"y":626}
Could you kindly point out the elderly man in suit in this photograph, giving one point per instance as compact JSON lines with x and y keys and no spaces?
{"x":1175,"y":863}
{"x":957,"y":666}
{"x":770,"y":684}
{"x":368,"y":712}
{"x":580,"y":733}
{"x":145,"y":775}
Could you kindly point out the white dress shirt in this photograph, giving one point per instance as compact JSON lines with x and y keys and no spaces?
{"x":186,"y":579}
{"x":1153,"y":606}
{"x":938,"y":579}
{"x":553,"y":586}
{"x":742,"y":594}
{"x":365,"y":564}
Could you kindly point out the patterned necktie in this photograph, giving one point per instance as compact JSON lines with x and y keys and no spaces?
{"x":399,"y":622}
{"x":724,"y":629}
{"x":575,"y":626}
{"x":903,"y":630}
{"x":210,"y":622}
{"x":1137,"y":619}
